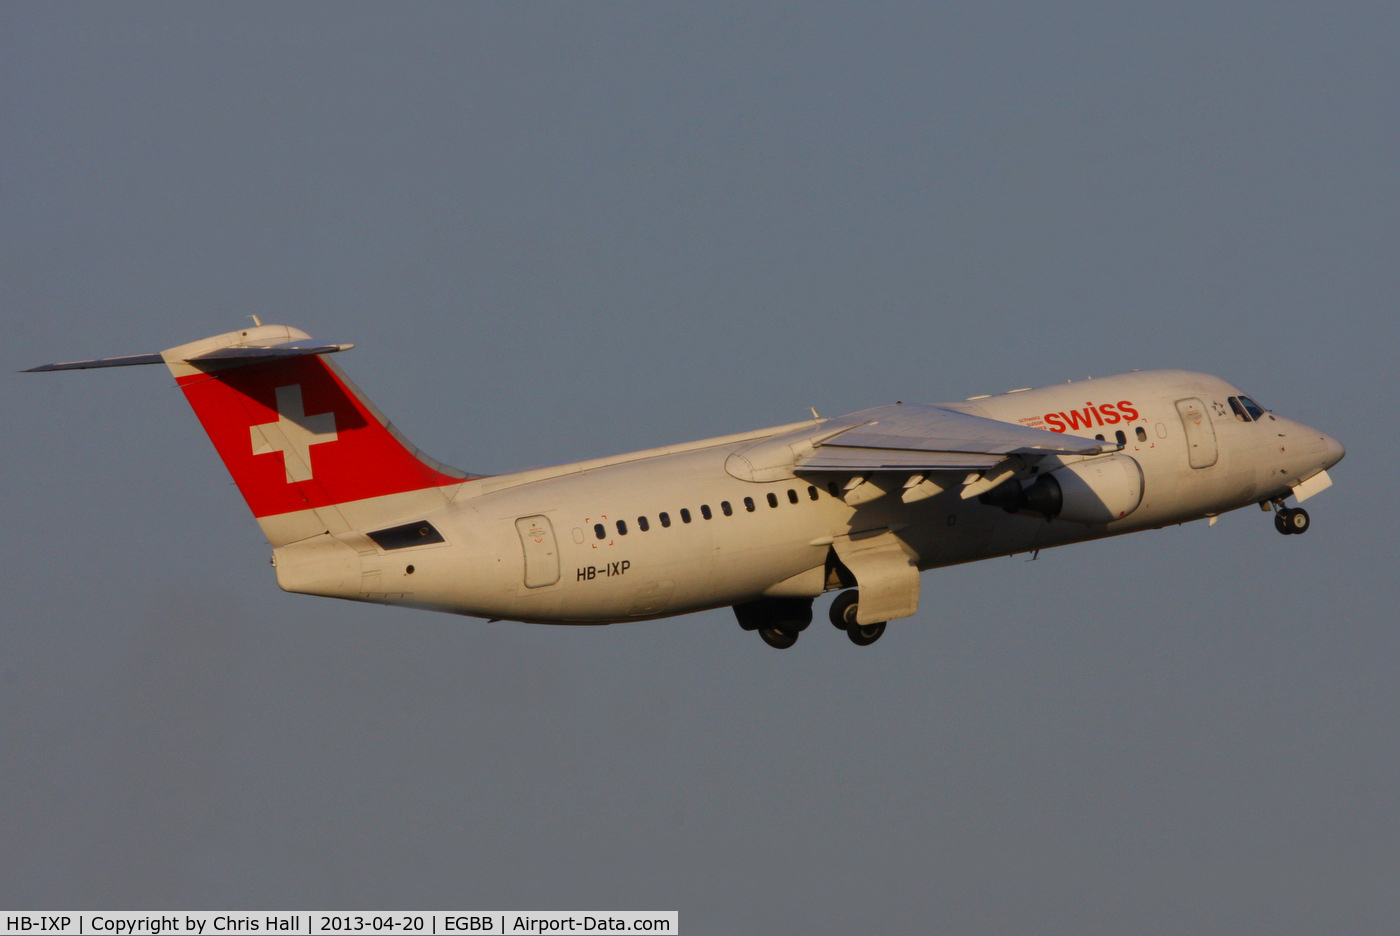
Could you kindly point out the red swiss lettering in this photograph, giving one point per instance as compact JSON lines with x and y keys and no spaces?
{"x":1092,"y":415}
{"x":1077,"y":420}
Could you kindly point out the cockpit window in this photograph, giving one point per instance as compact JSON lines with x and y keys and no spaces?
{"x":1238,"y":407}
{"x":1254,"y":409}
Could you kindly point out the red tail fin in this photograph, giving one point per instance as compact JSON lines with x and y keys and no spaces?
{"x":309,"y":452}
{"x":295,"y":434}
{"x":293,"y":431}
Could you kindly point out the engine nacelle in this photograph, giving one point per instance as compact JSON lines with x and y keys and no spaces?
{"x":1099,"y":490}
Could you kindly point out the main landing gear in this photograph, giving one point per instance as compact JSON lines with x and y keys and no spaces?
{"x":1291,"y":520}
{"x":780,"y":620}
{"x":777,"y":620}
{"x":843,"y":616}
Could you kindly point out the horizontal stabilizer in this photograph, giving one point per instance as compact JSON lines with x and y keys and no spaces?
{"x":246,"y":355}
{"x":290,"y":349}
{"x":128,"y":361}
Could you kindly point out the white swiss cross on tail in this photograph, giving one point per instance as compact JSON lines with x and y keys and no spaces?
{"x":293,"y":434}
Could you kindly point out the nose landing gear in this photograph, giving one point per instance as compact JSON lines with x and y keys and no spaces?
{"x":843,"y":617}
{"x":1291,"y":520}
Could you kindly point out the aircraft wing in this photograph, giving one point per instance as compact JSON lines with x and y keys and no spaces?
{"x":919,"y":438}
{"x":844,"y":458}
{"x":920,"y":435}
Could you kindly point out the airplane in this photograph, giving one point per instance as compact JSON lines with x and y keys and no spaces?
{"x":763,"y":521}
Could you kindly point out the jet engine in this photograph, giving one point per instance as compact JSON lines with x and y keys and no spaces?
{"x":1098,"y":490}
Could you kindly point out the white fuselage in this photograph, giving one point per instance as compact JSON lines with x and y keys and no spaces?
{"x":527,"y":546}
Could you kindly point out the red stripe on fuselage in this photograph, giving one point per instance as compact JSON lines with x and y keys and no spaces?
{"x":363,"y":460}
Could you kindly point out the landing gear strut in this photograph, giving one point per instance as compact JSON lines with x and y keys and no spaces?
{"x":843,"y":617}
{"x":1291,"y":520}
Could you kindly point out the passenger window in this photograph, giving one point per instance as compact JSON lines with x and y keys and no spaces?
{"x":834,"y":488}
{"x":642,"y":524}
{"x":792,"y":496}
{"x":1141,"y":434}
{"x":728,"y":511}
{"x":599,"y":532}
{"x":1121,"y":437}
{"x":1238,"y":409}
{"x":811,"y":492}
{"x":685,"y":515}
{"x":705,"y":511}
{"x":622,"y":528}
{"x":665,"y":518}
{"x":748,"y":504}
{"x":1099,"y":437}
{"x":772,"y":499}
{"x":1254,"y":409}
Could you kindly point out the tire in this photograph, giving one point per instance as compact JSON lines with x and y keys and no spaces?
{"x":863,"y":635}
{"x":843,"y":609}
{"x":777,"y":638}
{"x":1281,"y":522}
{"x":1298,"y":520}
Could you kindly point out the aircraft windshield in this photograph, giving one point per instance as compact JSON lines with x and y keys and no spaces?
{"x":1238,"y":407}
{"x":1255,"y":411}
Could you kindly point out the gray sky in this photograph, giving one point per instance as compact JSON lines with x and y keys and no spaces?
{"x":560,"y":232}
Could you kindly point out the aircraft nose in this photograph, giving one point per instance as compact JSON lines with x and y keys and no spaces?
{"x":1335,"y":451}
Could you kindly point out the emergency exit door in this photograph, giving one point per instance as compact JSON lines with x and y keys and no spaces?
{"x":541,"y":552}
{"x":1200,"y":433}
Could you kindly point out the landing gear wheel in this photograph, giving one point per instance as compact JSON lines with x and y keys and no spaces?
{"x":1298,"y":520}
{"x":1281,"y":523}
{"x":863,"y":635}
{"x":777,"y":638}
{"x":843,"y":609}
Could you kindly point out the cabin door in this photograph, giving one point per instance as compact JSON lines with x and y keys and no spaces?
{"x":1200,"y":434}
{"x":541,"y":552}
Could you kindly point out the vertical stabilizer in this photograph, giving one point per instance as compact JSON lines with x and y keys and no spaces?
{"x":308,"y":451}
